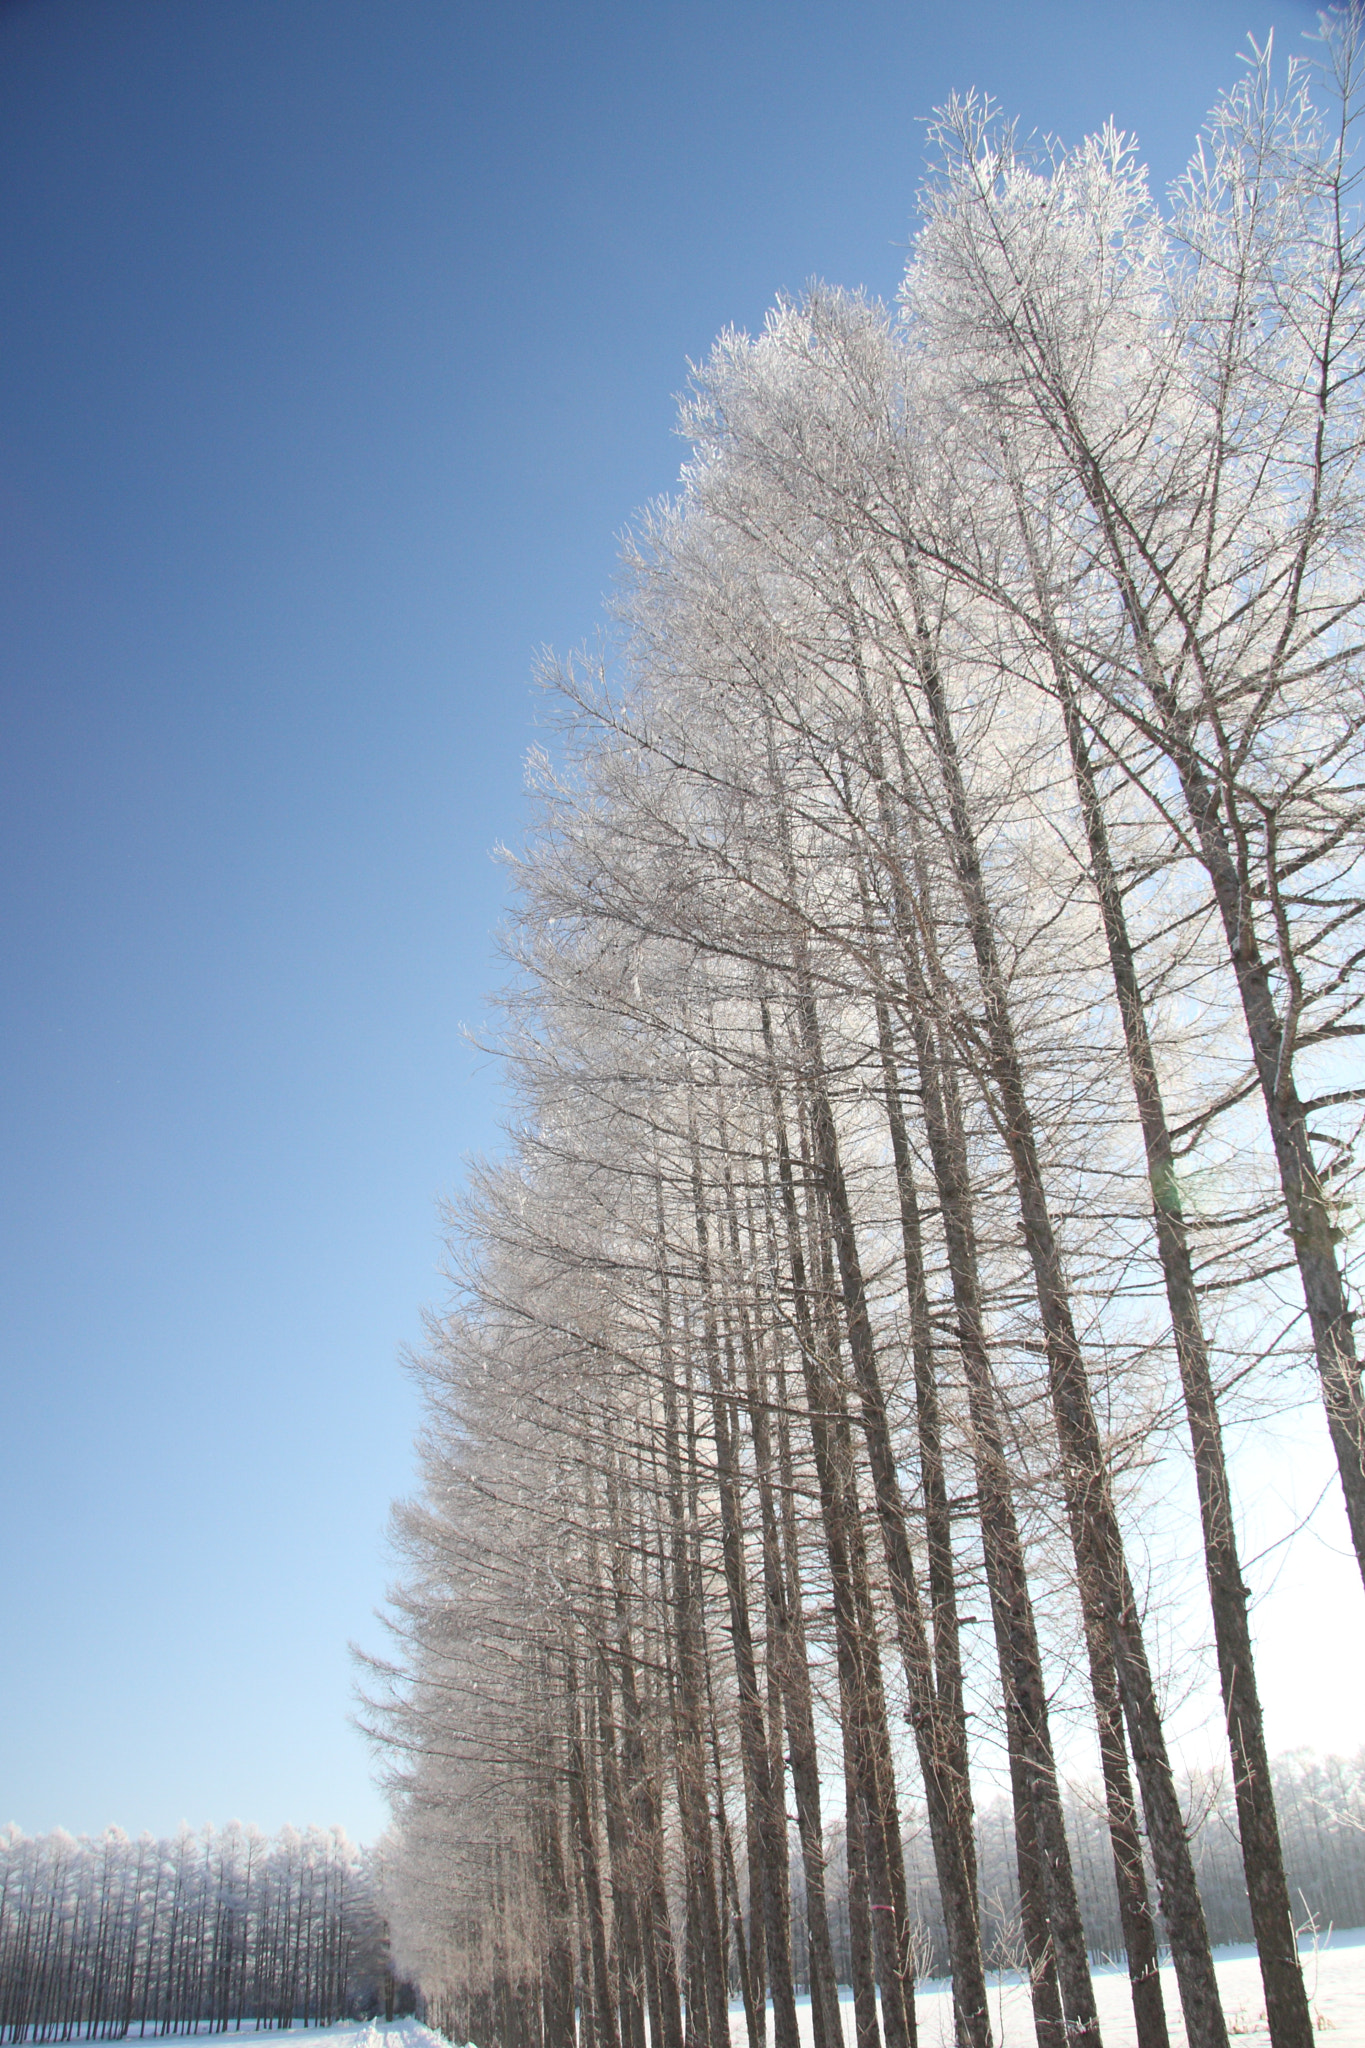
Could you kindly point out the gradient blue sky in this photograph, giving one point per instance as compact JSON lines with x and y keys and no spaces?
{"x":339,"y":340}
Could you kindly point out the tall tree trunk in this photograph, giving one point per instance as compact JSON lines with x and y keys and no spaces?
{"x":630,"y":1967}
{"x":1041,"y":1832}
{"x":1312,"y":1231}
{"x":1272,"y":1916}
{"x":707,"y":2017}
{"x":790,"y":1669}
{"x":1007,"y":1579}
{"x":557,"y":1978}
{"x":768,"y":1837}
{"x":862,"y":1691}
{"x":666,"y":2028}
{"x":1130,"y":1878}
{"x":1095,"y":1534}
{"x":941,"y":1751}
{"x":1049,"y":2026}
{"x":942,"y":1756}
{"x":867,"y":2032}
{"x":604,"y":2011}
{"x":862,"y":1699}
{"x":826,"y":2015}
{"x":751,"y":1996}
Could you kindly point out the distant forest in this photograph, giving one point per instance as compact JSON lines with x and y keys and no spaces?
{"x":102,"y":1936}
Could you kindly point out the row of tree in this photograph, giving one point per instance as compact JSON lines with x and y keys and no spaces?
{"x":938,"y":965}
{"x":101,"y":1936}
{"x":1322,"y":1807}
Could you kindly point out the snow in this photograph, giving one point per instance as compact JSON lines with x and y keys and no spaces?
{"x":1334,"y":1976}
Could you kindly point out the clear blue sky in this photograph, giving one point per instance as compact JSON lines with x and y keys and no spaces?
{"x":339,"y":340}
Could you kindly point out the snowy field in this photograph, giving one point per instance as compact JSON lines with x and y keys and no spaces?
{"x":1335,"y":1978}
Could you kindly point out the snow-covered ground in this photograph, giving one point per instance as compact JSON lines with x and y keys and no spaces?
{"x":1335,"y":1977}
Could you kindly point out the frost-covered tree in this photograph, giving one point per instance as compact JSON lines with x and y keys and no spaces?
{"x":956,"y":842}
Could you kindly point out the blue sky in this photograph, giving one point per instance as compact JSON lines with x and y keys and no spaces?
{"x":339,"y":342}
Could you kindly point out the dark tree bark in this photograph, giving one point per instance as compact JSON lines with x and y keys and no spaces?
{"x":1272,"y":1916}
{"x":1096,"y":1538}
{"x":768,"y":1836}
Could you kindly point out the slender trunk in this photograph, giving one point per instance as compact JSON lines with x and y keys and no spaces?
{"x":941,"y":1755}
{"x":1049,"y":2026}
{"x":866,"y":2029}
{"x":862,"y":1699}
{"x":1095,"y":1534}
{"x":942,"y":1750}
{"x":666,"y":2027}
{"x":1042,"y":1829}
{"x":826,"y":2017}
{"x":718,"y":1977}
{"x":703,"y":1912}
{"x":1130,"y":1878}
{"x":630,"y":1970}
{"x":862,"y":1690}
{"x":1006,"y":1572}
{"x":707,"y":2015}
{"x":750,"y":1994}
{"x":1287,"y":2012}
{"x":790,"y":1671}
{"x":768,"y":1835}
{"x":1311,"y":1229}
{"x":604,"y":2012}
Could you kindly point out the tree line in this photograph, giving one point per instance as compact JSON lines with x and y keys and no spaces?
{"x":936,"y":980}
{"x":103,"y":1936}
